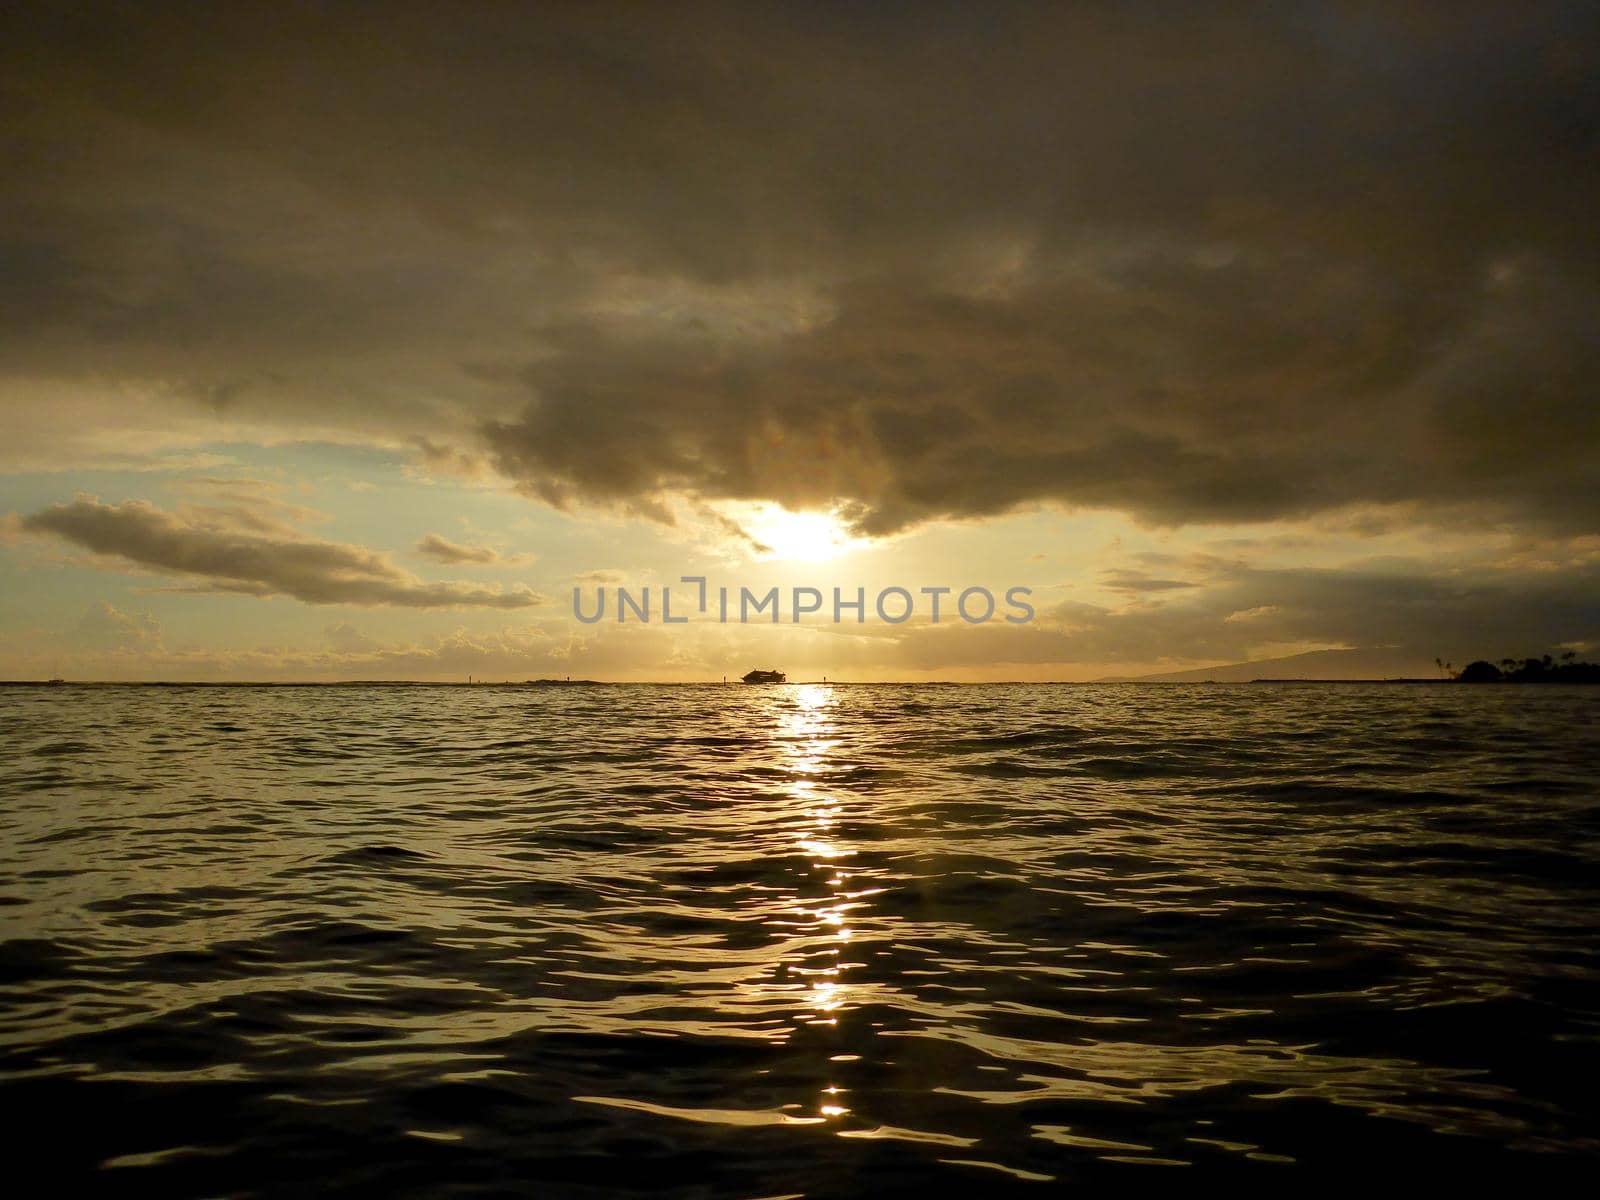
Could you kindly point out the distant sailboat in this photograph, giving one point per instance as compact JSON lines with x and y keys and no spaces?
{"x":766,"y":677}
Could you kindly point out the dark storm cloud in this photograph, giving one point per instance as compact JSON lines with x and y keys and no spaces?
{"x":228,"y":559}
{"x":1195,"y":263}
{"x":1263,"y":395}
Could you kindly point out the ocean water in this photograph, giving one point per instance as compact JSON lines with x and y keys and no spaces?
{"x":797,"y":941}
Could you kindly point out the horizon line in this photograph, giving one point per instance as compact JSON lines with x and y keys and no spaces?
{"x":1103,"y":682}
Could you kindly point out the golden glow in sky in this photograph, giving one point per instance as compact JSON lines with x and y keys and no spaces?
{"x":798,"y":536}
{"x":571,"y":325}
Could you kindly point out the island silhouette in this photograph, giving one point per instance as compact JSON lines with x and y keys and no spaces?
{"x":1530,"y":670}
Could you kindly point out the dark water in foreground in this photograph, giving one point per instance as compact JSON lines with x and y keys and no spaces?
{"x":743,"y":942}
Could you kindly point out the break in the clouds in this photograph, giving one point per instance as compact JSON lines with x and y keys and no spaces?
{"x":1192,"y":263}
{"x":225,"y":557}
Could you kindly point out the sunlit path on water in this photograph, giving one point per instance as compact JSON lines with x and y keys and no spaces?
{"x":798,"y":939}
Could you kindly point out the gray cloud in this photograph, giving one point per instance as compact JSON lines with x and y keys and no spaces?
{"x":105,"y":627}
{"x":1216,"y":263}
{"x":345,"y":638}
{"x":228,"y":559}
{"x":1139,"y":581}
{"x":456,"y":553}
{"x":1237,"y":612}
{"x":1270,"y":395}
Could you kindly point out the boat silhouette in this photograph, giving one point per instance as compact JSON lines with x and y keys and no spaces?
{"x":766,"y":677}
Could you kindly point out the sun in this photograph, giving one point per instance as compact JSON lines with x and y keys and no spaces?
{"x":798,"y":536}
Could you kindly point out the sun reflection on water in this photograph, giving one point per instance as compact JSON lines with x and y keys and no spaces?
{"x":1014,"y":930}
{"x":806,"y":735}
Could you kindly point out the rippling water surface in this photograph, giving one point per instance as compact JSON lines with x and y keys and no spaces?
{"x":798,"y":940}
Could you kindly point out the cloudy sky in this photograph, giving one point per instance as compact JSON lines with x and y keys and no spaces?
{"x":345,"y":341}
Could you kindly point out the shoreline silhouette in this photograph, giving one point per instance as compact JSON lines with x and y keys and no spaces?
{"x":1530,"y":670}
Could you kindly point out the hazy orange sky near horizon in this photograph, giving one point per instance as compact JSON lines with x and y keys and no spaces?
{"x":342,"y":343}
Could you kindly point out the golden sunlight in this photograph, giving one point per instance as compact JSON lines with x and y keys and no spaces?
{"x":798,"y":536}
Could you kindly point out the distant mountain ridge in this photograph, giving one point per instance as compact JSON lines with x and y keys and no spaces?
{"x":1314,"y":664}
